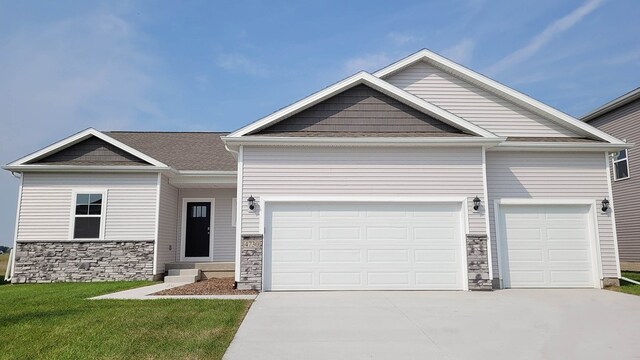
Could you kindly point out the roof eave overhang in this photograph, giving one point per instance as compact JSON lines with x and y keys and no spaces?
{"x":375,"y":83}
{"x":87,"y":168}
{"x":499,"y":89}
{"x":545,"y":146}
{"x":612,"y":105}
{"x":361,"y":141}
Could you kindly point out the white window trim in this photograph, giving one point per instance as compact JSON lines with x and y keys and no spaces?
{"x":103,"y":212}
{"x":614,"y":162}
{"x":234,"y":216}
{"x":183,"y":230}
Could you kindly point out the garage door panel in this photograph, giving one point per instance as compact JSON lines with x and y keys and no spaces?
{"x":390,"y":246}
{"x":553,"y":251}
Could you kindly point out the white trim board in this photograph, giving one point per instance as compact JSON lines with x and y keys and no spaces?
{"x":183,"y":229}
{"x":593,"y":229}
{"x":375,"y":83}
{"x":76,"y":138}
{"x":498,"y":89}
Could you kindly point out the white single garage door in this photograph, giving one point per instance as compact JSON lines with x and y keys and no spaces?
{"x":360,"y":246}
{"x":546,"y":246}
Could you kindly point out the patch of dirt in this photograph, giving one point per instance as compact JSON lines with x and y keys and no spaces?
{"x":212,"y":286}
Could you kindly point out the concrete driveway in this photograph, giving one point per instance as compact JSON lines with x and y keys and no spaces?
{"x":506,"y":324}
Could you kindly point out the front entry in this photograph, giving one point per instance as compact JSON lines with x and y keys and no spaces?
{"x":197,"y":233}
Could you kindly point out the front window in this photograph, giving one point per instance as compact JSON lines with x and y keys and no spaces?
{"x":88,"y":216}
{"x":621,"y":166}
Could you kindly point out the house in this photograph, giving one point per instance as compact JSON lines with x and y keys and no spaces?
{"x":423,"y":175}
{"x":621,"y":118}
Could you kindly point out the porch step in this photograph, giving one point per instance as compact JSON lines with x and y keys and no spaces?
{"x":184,"y":272}
{"x":206,"y":269}
{"x":187,"y":279}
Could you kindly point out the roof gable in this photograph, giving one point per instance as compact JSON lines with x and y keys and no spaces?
{"x":498,"y":89}
{"x":473,"y":103}
{"x":360,"y":111}
{"x":91,"y":151}
{"x":375,"y":83}
{"x":28,"y":161}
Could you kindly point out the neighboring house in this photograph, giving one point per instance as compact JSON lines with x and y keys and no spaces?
{"x":424,"y":175}
{"x":621,"y":118}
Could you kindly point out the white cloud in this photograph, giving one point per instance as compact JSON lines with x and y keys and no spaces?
{"x":368,"y":62}
{"x":401,"y":38}
{"x":61,"y":77}
{"x":241,"y":64}
{"x":461,"y":52}
{"x":556,"y":28}
{"x":626,"y":58}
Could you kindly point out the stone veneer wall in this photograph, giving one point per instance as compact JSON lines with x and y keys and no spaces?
{"x":251,"y":263}
{"x":83,"y":261}
{"x":478,"y":262}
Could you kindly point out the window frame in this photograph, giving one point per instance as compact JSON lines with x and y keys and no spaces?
{"x":103,"y":211}
{"x":615,"y":161}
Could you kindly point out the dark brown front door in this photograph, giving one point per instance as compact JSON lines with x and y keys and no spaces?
{"x":197,"y":242}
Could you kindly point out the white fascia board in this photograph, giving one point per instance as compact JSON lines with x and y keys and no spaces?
{"x":376,"y":83}
{"x":546,"y":146}
{"x":205,"y":172}
{"x":612,"y":105}
{"x":499,"y":89}
{"x":90,"y":168}
{"x":365,"y":141}
{"x":76,"y":138}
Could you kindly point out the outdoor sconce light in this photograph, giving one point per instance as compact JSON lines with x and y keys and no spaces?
{"x":476,"y":203}
{"x":605,"y":205}
{"x":251,"y":202}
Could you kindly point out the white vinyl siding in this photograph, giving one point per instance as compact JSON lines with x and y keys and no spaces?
{"x":557,"y":175}
{"x":363,"y":171}
{"x":472,"y":103}
{"x":167,"y":226}
{"x":47,"y":199}
{"x":224,"y":234}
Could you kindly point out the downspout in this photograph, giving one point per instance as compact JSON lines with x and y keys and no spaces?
{"x":629,"y":280}
{"x":236,"y":154}
{"x":12,"y":253}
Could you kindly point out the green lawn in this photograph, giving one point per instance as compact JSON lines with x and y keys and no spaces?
{"x":629,"y":288}
{"x":4,"y":258}
{"x":55,"y":321}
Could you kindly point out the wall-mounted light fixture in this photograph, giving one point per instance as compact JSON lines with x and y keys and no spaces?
{"x":476,"y":203}
{"x":251,"y":202}
{"x":605,"y":205}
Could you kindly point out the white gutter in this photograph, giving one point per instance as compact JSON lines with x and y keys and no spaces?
{"x":566,"y":146}
{"x":85,"y":168}
{"x":363,"y":141}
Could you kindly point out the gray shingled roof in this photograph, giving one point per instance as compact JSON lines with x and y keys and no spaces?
{"x":181,"y":150}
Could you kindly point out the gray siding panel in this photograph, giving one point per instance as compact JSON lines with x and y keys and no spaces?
{"x":363,"y":171}
{"x":360,"y":109}
{"x":167,"y":225}
{"x":92,"y":151}
{"x":552,"y":175}
{"x":624,"y":123}
{"x":473,"y":103}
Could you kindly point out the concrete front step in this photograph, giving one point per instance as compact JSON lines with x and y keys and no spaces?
{"x":178,"y":272}
{"x":187,"y":279}
{"x":204,"y":266}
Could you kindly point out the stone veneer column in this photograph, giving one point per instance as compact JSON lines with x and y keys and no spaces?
{"x":251,"y":263}
{"x":478,"y":262}
{"x":72,"y":261}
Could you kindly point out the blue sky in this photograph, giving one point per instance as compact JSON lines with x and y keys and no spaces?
{"x":214,"y":66}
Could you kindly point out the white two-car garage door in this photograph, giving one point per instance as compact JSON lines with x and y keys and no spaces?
{"x":360,"y":246}
{"x":546,"y":246}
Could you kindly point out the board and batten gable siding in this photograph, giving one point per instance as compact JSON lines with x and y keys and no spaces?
{"x":224,"y":235}
{"x":624,"y":123}
{"x":47,"y":200}
{"x":474,"y":104}
{"x":559,"y":175}
{"x":361,"y":171}
{"x":167,"y":226}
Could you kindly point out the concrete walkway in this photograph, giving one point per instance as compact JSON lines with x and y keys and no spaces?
{"x":144,"y":293}
{"x":506,"y":324}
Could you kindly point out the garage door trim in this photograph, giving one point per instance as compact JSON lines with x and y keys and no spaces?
{"x":596,"y":262}
{"x":264,"y":202}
